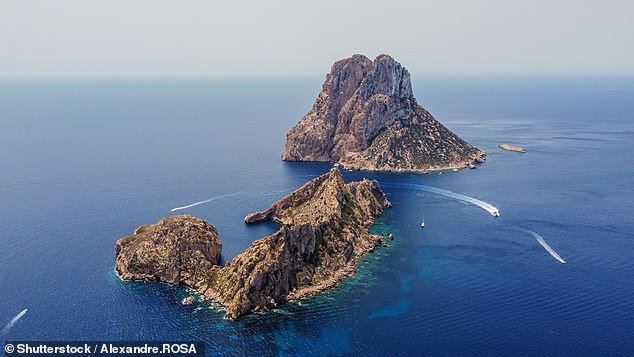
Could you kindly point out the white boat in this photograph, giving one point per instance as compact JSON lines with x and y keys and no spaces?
{"x":422,"y":224}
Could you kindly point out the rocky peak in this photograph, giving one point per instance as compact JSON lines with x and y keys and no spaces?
{"x":318,"y":198}
{"x":362,"y":101}
{"x":346,"y":75}
{"x":387,"y":77}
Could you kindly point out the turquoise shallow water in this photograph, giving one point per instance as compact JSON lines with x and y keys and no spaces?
{"x":84,"y":162}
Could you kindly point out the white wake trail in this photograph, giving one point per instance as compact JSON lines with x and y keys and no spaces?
{"x":191,"y":205}
{"x":494,"y":211}
{"x":202,"y":202}
{"x":550,"y":250}
{"x":13,"y":321}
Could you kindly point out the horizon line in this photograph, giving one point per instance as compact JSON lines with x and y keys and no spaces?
{"x":299,"y":76}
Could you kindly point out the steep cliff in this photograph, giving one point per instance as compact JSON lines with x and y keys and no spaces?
{"x":366,"y":117}
{"x":323,"y":232}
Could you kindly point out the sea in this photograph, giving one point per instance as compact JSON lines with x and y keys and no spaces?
{"x":84,"y":161}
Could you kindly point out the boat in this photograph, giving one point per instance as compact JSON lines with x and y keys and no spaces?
{"x":422,"y":224}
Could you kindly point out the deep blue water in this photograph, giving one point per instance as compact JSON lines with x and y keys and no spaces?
{"x":84,"y":162}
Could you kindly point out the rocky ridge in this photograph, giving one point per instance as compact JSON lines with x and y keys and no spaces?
{"x":323,"y":232}
{"x":366,"y":117}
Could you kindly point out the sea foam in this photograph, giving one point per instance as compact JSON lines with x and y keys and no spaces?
{"x":494,"y":211}
{"x":13,"y":321}
{"x":543,"y":243}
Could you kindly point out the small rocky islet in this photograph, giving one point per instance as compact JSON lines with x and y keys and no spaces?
{"x":512,"y":148}
{"x":366,"y":118}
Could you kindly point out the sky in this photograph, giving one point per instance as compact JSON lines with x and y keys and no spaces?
{"x":304,"y":37}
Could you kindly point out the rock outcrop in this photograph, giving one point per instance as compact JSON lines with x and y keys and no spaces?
{"x":176,"y":250}
{"x":188,"y":300}
{"x":323,"y":232}
{"x":366,"y":117}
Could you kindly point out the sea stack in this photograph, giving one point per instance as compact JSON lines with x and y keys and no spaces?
{"x":366,"y":118}
{"x":323,"y":232}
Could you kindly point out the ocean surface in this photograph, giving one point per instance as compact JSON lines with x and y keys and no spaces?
{"x":83,"y":162}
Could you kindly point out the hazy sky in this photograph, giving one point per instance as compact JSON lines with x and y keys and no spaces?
{"x":300,"y":37}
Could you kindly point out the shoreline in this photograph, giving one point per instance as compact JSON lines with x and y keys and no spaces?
{"x":472,"y":163}
{"x":469,"y":164}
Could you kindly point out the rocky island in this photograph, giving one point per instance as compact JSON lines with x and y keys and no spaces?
{"x":323,"y":232}
{"x":366,"y":117}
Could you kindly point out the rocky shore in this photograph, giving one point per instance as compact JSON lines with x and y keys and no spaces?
{"x":323,"y":233}
{"x":366,"y":118}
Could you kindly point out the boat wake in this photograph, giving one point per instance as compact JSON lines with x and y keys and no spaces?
{"x":202,"y":202}
{"x":494,"y":211}
{"x":13,"y":321}
{"x":543,"y":243}
{"x":283,"y":312}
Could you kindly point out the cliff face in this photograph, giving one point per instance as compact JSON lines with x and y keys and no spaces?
{"x":362,"y":101}
{"x":323,"y":232}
